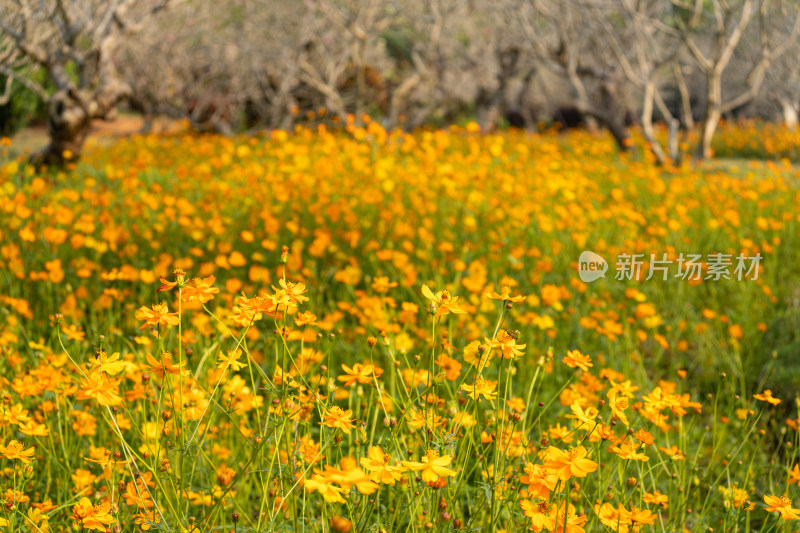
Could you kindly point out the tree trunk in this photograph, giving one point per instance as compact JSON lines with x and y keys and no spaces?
{"x":614,"y":115}
{"x":686,"y":101}
{"x":613,"y":121}
{"x":712,"y":115}
{"x":647,"y":123}
{"x":68,"y":126}
{"x":616,"y":125}
{"x":70,"y":113}
{"x":70,"y":109}
{"x":710,"y":123}
{"x":790,"y":113}
{"x":673,"y":142}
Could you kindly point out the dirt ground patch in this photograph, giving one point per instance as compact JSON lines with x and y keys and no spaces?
{"x":32,"y":139}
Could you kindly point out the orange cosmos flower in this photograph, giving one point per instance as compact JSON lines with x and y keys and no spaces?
{"x":645,"y":437}
{"x":618,"y":405}
{"x":656,"y":497}
{"x":330,"y":493}
{"x":794,"y":476}
{"x":611,"y":517}
{"x":540,"y":481}
{"x":674,"y":452}
{"x":156,"y":315}
{"x":782,"y":505}
{"x":200,"y":290}
{"x":16,"y":450}
{"x":92,"y":516}
{"x":382,"y":284}
{"x":569,"y":464}
{"x":16,"y":415}
{"x":294,"y":291}
{"x":166,"y":285}
{"x":306,"y":318}
{"x":583,"y":416}
{"x":575,"y":359}
{"x":628,"y":450}
{"x":146,"y":520}
{"x":766,"y":396}
{"x":73,"y":332}
{"x":539,"y":513}
{"x":339,"y":418}
{"x":507,"y":343}
{"x":34,"y":429}
{"x":249,"y":310}
{"x":432,"y":466}
{"x":102,"y":390}
{"x":505,"y":295}
{"x":45,"y":506}
{"x":415,"y":419}
{"x":230,"y":360}
{"x":348,"y":474}
{"x":450,"y":366}
{"x":363,"y":374}
{"x":165,"y":365}
{"x":138,"y":495}
{"x":562,"y":514}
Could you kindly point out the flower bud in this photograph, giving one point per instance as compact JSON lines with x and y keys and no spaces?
{"x":341,"y":525}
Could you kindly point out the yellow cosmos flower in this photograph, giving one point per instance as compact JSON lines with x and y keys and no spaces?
{"x":575,"y":359}
{"x":481,"y":387}
{"x":782,"y":505}
{"x":15,"y":450}
{"x":364,"y":374}
{"x":441,"y":302}
{"x":505,"y":295}
{"x":377,"y":463}
{"x":339,"y":419}
{"x":432,"y":466}
{"x":569,"y":464}
{"x":156,"y":315}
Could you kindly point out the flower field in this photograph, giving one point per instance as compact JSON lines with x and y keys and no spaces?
{"x":366,"y":330}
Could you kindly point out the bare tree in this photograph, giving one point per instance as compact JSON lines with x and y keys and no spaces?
{"x":430,"y":81}
{"x":782,"y":80}
{"x":566,"y":38}
{"x":783,"y":87}
{"x":14,"y":64}
{"x":226,"y":72}
{"x":713,"y":31}
{"x":417,"y":62}
{"x":76,"y":43}
{"x":644,"y":54}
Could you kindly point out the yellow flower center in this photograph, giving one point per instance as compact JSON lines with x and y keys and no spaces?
{"x":431,"y":455}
